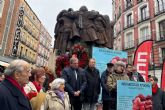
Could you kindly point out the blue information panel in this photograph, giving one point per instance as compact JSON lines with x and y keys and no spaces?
{"x":134,"y":95}
{"x":105,"y":55}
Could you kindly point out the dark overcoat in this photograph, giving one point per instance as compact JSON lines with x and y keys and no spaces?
{"x":71,"y":84}
{"x":11,"y":98}
{"x":92,"y":90}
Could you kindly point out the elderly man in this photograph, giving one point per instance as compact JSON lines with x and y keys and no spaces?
{"x":75,"y":83}
{"x":106,"y":96}
{"x":12,"y":95}
{"x":118,"y":74}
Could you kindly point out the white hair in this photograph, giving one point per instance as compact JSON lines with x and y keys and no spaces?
{"x":56,"y":83}
{"x":15,"y":66}
{"x":119,"y":63}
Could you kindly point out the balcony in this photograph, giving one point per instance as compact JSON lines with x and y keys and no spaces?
{"x":160,"y":9}
{"x":143,"y":17}
{"x":160,"y":36}
{"x":129,"y":44}
{"x":139,"y":1}
{"x":118,"y":16}
{"x":128,"y":24}
{"x":128,"y":5}
{"x":23,"y":40}
{"x":145,"y":37}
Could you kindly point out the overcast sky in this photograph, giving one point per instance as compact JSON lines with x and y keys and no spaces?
{"x":47,"y":10}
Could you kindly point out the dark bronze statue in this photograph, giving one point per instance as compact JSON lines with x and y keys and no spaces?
{"x":82,"y":26}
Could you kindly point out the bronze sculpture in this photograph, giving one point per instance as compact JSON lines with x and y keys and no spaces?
{"x":85,"y":26}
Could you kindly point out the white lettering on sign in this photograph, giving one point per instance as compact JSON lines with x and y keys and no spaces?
{"x":141,"y":65}
{"x":141,"y":62}
{"x":139,"y":59}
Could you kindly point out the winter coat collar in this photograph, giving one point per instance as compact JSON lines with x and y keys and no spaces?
{"x":22,"y":100}
{"x":54,"y":96}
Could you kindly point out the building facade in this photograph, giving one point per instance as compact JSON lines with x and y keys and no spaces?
{"x":44,"y":47}
{"x":20,"y":32}
{"x":28,"y":30}
{"x":137,"y":21}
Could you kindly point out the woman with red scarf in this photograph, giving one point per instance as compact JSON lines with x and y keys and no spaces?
{"x":36,"y":82}
{"x":158,"y":96}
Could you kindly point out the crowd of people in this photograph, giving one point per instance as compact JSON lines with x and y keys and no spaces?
{"x":24,"y":88}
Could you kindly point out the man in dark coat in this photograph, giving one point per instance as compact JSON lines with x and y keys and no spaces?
{"x":133,"y":74}
{"x":158,"y":96}
{"x":75,"y":83}
{"x":92,"y":90}
{"x":106,"y":96}
{"x":12,"y":95}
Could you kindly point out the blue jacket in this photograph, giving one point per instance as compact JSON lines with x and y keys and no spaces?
{"x":11,"y":98}
{"x":105,"y":93}
{"x":71,"y":84}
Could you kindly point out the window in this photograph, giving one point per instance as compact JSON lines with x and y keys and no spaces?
{"x":162,"y":30}
{"x":130,"y":59}
{"x":21,"y":49}
{"x":1,"y":7}
{"x":144,"y":34}
{"x":26,"y":52}
{"x":115,"y":18}
{"x":129,"y":19}
{"x":163,"y":53}
{"x":128,"y":3}
{"x":144,"y":13}
{"x":129,"y":40}
{"x":160,"y":6}
{"x":119,"y":11}
{"x":119,"y":44}
{"x":138,"y":1}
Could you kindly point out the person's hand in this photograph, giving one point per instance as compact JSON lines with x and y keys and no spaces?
{"x":77,"y":93}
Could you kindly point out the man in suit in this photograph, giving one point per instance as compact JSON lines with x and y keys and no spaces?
{"x":12,"y":95}
{"x":75,"y":83}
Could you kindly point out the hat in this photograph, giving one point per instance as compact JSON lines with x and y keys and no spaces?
{"x":110,"y":64}
{"x":120,"y":63}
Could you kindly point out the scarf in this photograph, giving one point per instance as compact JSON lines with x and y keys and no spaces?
{"x":60,"y":94}
{"x":15,"y":83}
{"x":37,"y":85}
{"x":154,"y":89}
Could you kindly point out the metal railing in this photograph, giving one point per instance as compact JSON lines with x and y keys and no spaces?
{"x":128,"y":5}
{"x":129,"y":44}
{"x":143,"y":16}
{"x":143,"y":38}
{"x":160,"y":36}
{"x":128,"y":24}
{"x":160,"y":9}
{"x":139,"y":1}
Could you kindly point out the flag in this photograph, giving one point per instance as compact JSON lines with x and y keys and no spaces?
{"x":163,"y":76}
{"x":142,"y":58}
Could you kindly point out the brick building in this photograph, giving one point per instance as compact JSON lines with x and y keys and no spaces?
{"x":139,"y":20}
